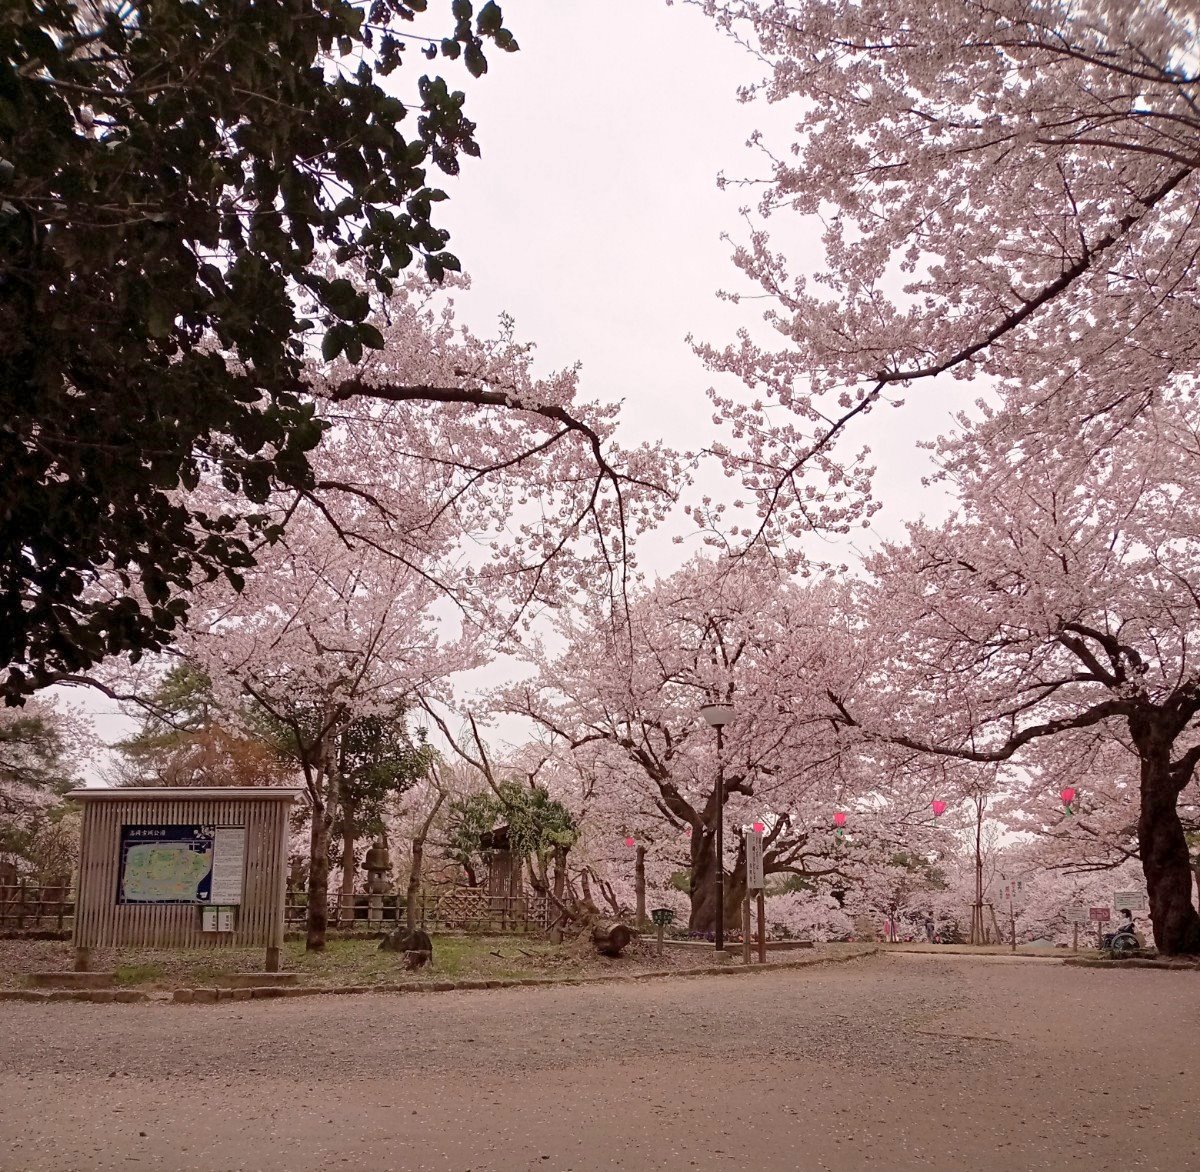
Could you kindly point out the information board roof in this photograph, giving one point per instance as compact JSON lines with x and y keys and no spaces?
{"x":187,"y":793}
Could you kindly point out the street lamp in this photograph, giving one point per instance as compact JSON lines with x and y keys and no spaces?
{"x":719,"y":715}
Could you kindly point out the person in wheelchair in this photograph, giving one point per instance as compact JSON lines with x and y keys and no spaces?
{"x":1125,"y":927}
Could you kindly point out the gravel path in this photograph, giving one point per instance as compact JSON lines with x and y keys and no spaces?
{"x":893,"y":1062}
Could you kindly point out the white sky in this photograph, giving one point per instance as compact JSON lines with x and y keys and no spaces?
{"x":594,"y":218}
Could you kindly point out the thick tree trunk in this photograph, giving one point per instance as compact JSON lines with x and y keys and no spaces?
{"x":1165,"y":860}
{"x":703,"y":887}
{"x":318,"y":879}
{"x":703,"y":891}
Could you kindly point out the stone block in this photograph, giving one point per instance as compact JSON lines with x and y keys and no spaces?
{"x":71,"y":980}
{"x":255,"y":980}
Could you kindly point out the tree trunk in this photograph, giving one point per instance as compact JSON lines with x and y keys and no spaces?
{"x":639,"y":886}
{"x":1164,"y":851}
{"x":418,"y":861}
{"x":324,"y":793}
{"x":611,"y":937}
{"x":560,"y":872}
{"x":703,"y":887}
{"x":977,"y":930}
{"x":349,"y":869}
{"x":414,"y":881}
{"x":318,"y":879}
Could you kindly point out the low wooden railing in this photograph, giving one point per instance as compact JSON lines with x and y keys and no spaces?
{"x":461,"y":910}
{"x":26,"y":906}
{"x":30,"y":907}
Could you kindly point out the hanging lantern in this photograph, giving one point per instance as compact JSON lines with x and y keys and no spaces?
{"x":939,"y":807}
{"x":629,"y":841}
{"x":759,"y":827}
{"x":1067,"y":793}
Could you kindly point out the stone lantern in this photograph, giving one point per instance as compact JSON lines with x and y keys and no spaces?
{"x":378,"y":866}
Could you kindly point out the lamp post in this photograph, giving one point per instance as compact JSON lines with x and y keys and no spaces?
{"x":719,"y":715}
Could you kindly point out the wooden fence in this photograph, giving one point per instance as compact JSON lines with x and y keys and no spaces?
{"x":460,"y":910}
{"x":27,"y":907}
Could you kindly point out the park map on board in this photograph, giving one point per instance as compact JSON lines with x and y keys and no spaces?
{"x":166,"y":864}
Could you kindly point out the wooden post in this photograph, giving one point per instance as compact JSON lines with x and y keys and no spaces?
{"x":271,"y":963}
{"x":639,"y":886}
{"x":661,"y":927}
{"x":1075,"y":939}
{"x":762,"y":927}
{"x":83,"y":958}
{"x":746,"y":929}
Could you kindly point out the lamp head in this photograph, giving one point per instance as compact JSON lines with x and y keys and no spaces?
{"x":718,"y":715}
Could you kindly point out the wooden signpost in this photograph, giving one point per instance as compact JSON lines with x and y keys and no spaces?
{"x":1077,"y":914}
{"x":754,"y":883}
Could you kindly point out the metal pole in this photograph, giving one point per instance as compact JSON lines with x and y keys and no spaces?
{"x":720,"y":847}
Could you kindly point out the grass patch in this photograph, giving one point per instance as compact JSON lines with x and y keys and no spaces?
{"x":138,"y":974}
{"x":359,"y":962}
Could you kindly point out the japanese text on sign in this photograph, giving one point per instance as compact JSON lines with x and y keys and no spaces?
{"x":754,"y":861}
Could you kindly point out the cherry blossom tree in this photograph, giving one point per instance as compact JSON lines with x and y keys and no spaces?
{"x":1003,"y":189}
{"x":623,"y":696}
{"x":451,"y":476}
{"x":445,"y":451}
{"x":1062,"y":599}
{"x":478,"y":443}
{"x":325,"y":633}
{"x":43,"y":748}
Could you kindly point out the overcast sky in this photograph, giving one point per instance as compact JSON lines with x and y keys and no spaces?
{"x":595,"y":219}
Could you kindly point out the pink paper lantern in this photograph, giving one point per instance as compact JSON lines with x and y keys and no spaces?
{"x":839,"y":819}
{"x":629,"y":842}
{"x":759,"y":827}
{"x":939,"y":807}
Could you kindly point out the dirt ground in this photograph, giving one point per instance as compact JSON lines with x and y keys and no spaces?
{"x":898,"y":1061}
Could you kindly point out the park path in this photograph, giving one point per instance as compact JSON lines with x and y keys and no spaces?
{"x":889,"y":1063}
